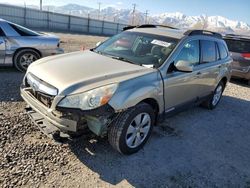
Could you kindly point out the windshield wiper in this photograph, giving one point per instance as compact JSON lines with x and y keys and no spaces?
{"x":94,"y":50}
{"x":122,"y":59}
{"x":114,"y":57}
{"x":100,"y":52}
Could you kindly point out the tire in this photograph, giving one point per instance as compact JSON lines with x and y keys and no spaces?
{"x":24,"y":58}
{"x":119,"y":135}
{"x":214,"y":100}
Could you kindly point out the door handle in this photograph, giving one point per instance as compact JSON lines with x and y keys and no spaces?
{"x":219,"y":66}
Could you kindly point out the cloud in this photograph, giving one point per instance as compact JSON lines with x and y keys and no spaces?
{"x":119,"y":3}
{"x":110,"y":5}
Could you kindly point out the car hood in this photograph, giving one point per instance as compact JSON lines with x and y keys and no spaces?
{"x":84,"y":70}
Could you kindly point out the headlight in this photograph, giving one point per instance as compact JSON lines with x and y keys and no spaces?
{"x":90,"y":99}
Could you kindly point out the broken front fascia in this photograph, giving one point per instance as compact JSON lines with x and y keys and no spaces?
{"x":97,"y":119}
{"x":69,"y":119}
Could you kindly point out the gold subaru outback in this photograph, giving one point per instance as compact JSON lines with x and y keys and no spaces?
{"x":126,"y":84}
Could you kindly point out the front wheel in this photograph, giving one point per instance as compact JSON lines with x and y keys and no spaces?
{"x":213,"y":101}
{"x":131,"y":129}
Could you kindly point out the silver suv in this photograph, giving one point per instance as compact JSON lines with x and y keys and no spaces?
{"x":128,"y":83}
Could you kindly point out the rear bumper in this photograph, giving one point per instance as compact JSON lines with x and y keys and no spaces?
{"x":41,"y":114}
{"x":243,"y":72}
{"x":55,"y":51}
{"x":59,"y":51}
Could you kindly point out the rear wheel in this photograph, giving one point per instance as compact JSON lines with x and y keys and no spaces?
{"x":213,"y":101}
{"x":24,"y":58}
{"x":131,"y":129}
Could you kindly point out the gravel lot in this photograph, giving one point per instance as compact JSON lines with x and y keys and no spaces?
{"x":196,"y":148}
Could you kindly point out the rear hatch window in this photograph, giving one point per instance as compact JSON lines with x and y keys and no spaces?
{"x":239,"y":46}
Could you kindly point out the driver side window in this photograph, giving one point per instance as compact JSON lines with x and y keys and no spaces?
{"x":190,"y":53}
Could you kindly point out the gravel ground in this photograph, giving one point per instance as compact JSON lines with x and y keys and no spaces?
{"x":196,"y":148}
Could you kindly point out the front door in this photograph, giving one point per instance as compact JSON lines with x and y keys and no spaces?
{"x":183,"y":87}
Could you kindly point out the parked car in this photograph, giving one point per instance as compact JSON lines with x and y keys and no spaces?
{"x":239,"y":47}
{"x":20,"y":46}
{"x":128,"y":83}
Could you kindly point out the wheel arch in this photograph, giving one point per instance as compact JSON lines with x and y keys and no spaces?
{"x":224,"y":80}
{"x":25,"y":48}
{"x":154,"y":104}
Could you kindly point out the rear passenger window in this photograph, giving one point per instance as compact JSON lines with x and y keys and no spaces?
{"x":23,"y":31}
{"x":190,"y":52}
{"x":223,"y":50}
{"x":2,"y":34}
{"x":208,"y":50}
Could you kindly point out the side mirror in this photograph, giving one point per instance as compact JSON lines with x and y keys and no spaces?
{"x":98,"y":44}
{"x":184,"y":66}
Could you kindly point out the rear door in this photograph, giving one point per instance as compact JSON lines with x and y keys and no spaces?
{"x":2,"y":46}
{"x":210,"y":66}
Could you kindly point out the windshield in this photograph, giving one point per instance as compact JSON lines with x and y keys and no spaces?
{"x":138,"y":48}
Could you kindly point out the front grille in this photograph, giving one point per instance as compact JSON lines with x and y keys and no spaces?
{"x":43,"y":98}
{"x":38,"y":88}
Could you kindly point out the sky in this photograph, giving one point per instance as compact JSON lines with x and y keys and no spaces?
{"x":234,"y":9}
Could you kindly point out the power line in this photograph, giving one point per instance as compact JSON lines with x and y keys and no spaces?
{"x":133,"y":20}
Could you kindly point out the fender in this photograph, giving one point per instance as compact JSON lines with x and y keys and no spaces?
{"x":132,"y":92}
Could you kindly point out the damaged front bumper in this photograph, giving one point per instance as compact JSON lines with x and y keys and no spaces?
{"x":66,"y":120}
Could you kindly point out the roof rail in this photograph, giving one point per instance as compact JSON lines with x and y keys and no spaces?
{"x":167,"y":26}
{"x":202,"y":32}
{"x":128,"y":27}
{"x":147,"y":26}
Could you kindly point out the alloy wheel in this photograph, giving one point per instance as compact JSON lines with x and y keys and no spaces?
{"x":138,"y":130}
{"x":27,"y":59}
{"x":217,"y":95}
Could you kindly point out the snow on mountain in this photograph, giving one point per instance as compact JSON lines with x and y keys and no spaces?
{"x":176,"y":19}
{"x":217,"y":23}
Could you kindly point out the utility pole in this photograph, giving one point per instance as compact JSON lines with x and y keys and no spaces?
{"x":133,"y":20}
{"x":99,"y":10}
{"x":25,"y":12}
{"x":41,"y":5}
{"x":146,"y":16}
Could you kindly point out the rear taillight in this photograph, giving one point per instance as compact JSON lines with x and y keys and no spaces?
{"x":246,"y":55}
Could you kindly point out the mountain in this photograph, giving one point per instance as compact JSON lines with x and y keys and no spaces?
{"x":216,"y":23}
{"x":176,"y":19}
